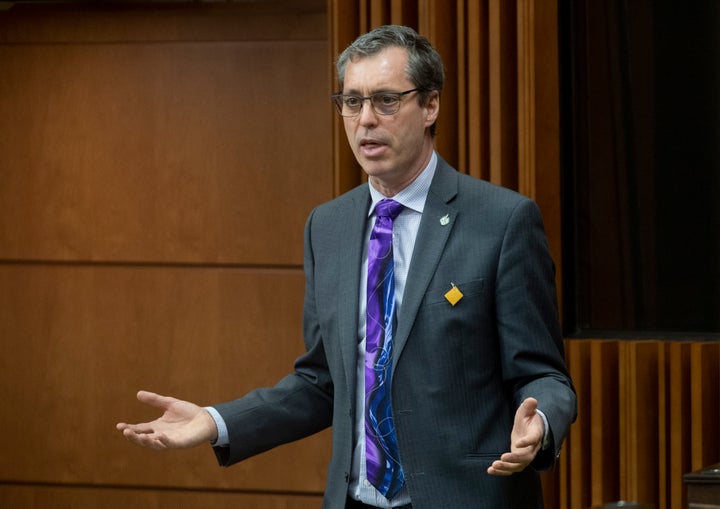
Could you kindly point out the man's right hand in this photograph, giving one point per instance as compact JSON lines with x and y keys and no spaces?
{"x":181,"y":426}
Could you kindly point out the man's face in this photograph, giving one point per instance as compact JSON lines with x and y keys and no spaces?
{"x":392,"y":149}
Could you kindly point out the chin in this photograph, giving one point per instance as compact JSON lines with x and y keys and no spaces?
{"x":375,"y":172}
{"x":374,"y":167}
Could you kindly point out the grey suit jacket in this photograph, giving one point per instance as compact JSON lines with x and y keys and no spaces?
{"x":459,"y":371}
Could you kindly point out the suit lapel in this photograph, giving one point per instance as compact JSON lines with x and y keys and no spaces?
{"x":349,"y":254}
{"x":435,"y":226}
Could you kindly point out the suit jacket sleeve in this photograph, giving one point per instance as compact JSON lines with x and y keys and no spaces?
{"x":528,"y":326}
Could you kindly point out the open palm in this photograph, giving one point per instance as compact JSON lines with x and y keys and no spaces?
{"x":181,"y":426}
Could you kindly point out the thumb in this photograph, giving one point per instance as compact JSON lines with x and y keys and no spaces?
{"x":525,"y":430}
{"x":156,"y":400}
{"x":528,"y":408}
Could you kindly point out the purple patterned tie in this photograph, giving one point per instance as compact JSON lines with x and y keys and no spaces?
{"x":381,"y":450}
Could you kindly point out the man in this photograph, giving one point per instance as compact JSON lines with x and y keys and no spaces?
{"x":466,"y":340}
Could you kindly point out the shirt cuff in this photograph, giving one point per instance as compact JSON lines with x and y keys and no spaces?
{"x":546,"y":435}
{"x":223,"y":439}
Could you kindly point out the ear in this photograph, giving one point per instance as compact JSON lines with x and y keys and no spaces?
{"x":432,"y":108}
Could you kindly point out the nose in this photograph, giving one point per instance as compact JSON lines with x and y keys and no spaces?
{"x":367,"y":115}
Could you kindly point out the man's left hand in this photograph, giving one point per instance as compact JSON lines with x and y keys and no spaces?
{"x":525,"y":440}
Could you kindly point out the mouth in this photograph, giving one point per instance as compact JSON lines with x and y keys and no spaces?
{"x":371,"y":147}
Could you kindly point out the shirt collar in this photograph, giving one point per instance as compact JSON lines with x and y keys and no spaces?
{"x":413,"y":196}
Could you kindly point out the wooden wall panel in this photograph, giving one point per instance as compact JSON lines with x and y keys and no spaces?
{"x":577,"y":456}
{"x":162,"y":152}
{"x":473,"y":84}
{"x":438,"y":21}
{"x":645,"y":406}
{"x":638,"y":403}
{"x":79,"y":341}
{"x":503,"y":90}
{"x":162,"y":21}
{"x":538,"y":137}
{"x":705,"y":404}
{"x":602,"y":420}
{"x":59,"y":497}
{"x":677,"y":417}
{"x":158,"y":164}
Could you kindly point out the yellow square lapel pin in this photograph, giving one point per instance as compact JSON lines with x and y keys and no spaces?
{"x":454,"y":295}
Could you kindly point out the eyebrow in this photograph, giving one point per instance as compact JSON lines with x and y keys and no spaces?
{"x":379,"y":91}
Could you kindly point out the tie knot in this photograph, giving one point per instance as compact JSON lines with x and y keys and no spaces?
{"x":388,"y":208}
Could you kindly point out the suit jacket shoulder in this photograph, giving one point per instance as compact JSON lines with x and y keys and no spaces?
{"x":450,"y":185}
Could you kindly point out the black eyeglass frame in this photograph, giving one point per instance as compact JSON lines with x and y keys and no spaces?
{"x":339,"y":100}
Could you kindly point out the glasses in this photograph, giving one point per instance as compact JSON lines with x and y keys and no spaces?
{"x":383,"y":103}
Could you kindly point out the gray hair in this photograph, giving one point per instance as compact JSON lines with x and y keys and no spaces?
{"x":424,"y":69}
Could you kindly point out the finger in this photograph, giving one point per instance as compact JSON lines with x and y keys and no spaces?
{"x":518,"y":457}
{"x":494,"y":471}
{"x":143,"y":427}
{"x":149,"y":440}
{"x":528,"y":442}
{"x":505,"y":468}
{"x":122,"y":426}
